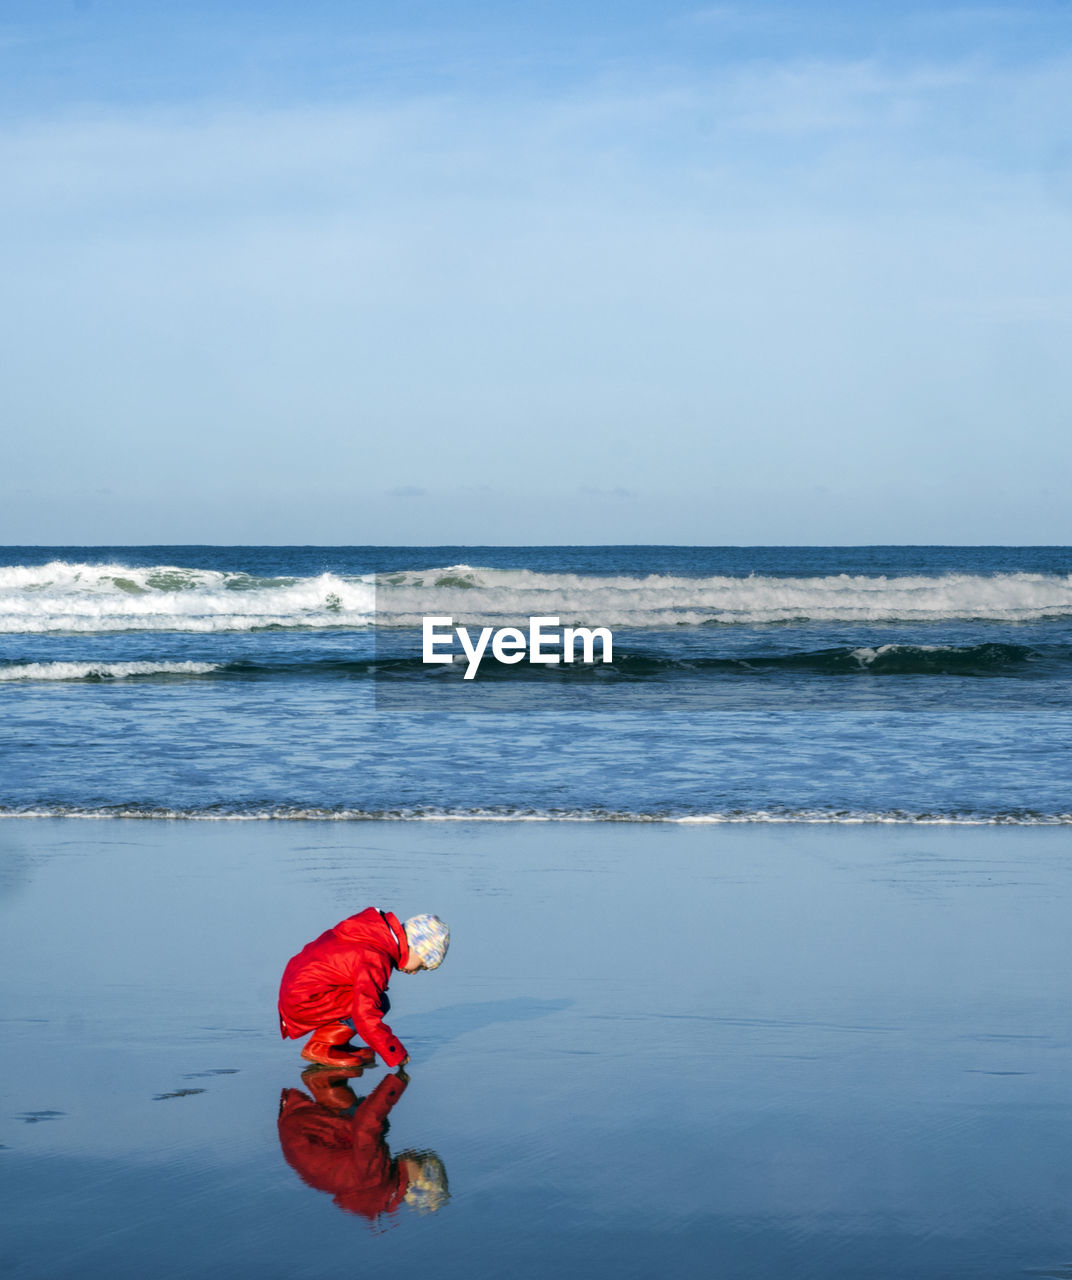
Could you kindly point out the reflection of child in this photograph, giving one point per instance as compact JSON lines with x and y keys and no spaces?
{"x":337,"y":1144}
{"x":338,"y":985}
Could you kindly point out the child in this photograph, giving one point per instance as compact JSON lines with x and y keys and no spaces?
{"x":338,"y":985}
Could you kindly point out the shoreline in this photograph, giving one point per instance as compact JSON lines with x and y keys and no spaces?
{"x":620,"y":819}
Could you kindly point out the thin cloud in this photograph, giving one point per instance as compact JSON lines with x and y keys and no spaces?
{"x":653,"y":143}
{"x":770,"y":275}
{"x":594,"y":491}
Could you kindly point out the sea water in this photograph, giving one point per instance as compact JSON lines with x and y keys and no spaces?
{"x":769,"y":683}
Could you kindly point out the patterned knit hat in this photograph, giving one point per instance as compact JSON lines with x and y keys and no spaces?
{"x":429,"y":937}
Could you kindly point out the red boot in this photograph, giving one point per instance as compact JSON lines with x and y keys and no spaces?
{"x":330,"y":1046}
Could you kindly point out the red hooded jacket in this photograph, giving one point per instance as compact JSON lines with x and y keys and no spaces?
{"x":345,"y":1156}
{"x":344,"y":974}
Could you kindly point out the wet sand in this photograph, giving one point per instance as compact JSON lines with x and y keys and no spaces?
{"x":756,"y":1051}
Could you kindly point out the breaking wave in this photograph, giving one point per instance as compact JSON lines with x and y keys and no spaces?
{"x":67,"y":597}
{"x":93,"y":598}
{"x":887,"y":659}
{"x":884,"y":660}
{"x":102,"y":670}
{"x":657,"y":600}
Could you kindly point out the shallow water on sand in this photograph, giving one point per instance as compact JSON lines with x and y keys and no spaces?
{"x":757,"y":1051}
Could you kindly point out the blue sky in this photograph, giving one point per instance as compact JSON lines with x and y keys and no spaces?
{"x":352,"y":273}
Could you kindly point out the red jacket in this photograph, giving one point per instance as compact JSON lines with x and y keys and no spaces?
{"x":344,"y":974}
{"x":345,"y":1156}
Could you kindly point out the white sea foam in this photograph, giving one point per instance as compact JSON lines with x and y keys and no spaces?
{"x":470,"y":594}
{"x":866,"y":657}
{"x":102,"y":670}
{"x":91,"y":598}
{"x":758,"y":816}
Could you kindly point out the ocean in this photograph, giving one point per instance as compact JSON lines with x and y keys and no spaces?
{"x":748,"y":684}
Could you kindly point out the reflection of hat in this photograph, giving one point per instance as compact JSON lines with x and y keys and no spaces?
{"x":429,"y":937}
{"x":427,"y":1190}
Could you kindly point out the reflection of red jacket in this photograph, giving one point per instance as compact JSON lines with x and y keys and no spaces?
{"x":344,"y":974}
{"x":345,"y":1155}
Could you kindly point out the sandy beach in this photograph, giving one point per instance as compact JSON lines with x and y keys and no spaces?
{"x":824,"y":1050}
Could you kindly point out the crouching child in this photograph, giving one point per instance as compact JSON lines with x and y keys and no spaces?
{"x":337,"y":985}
